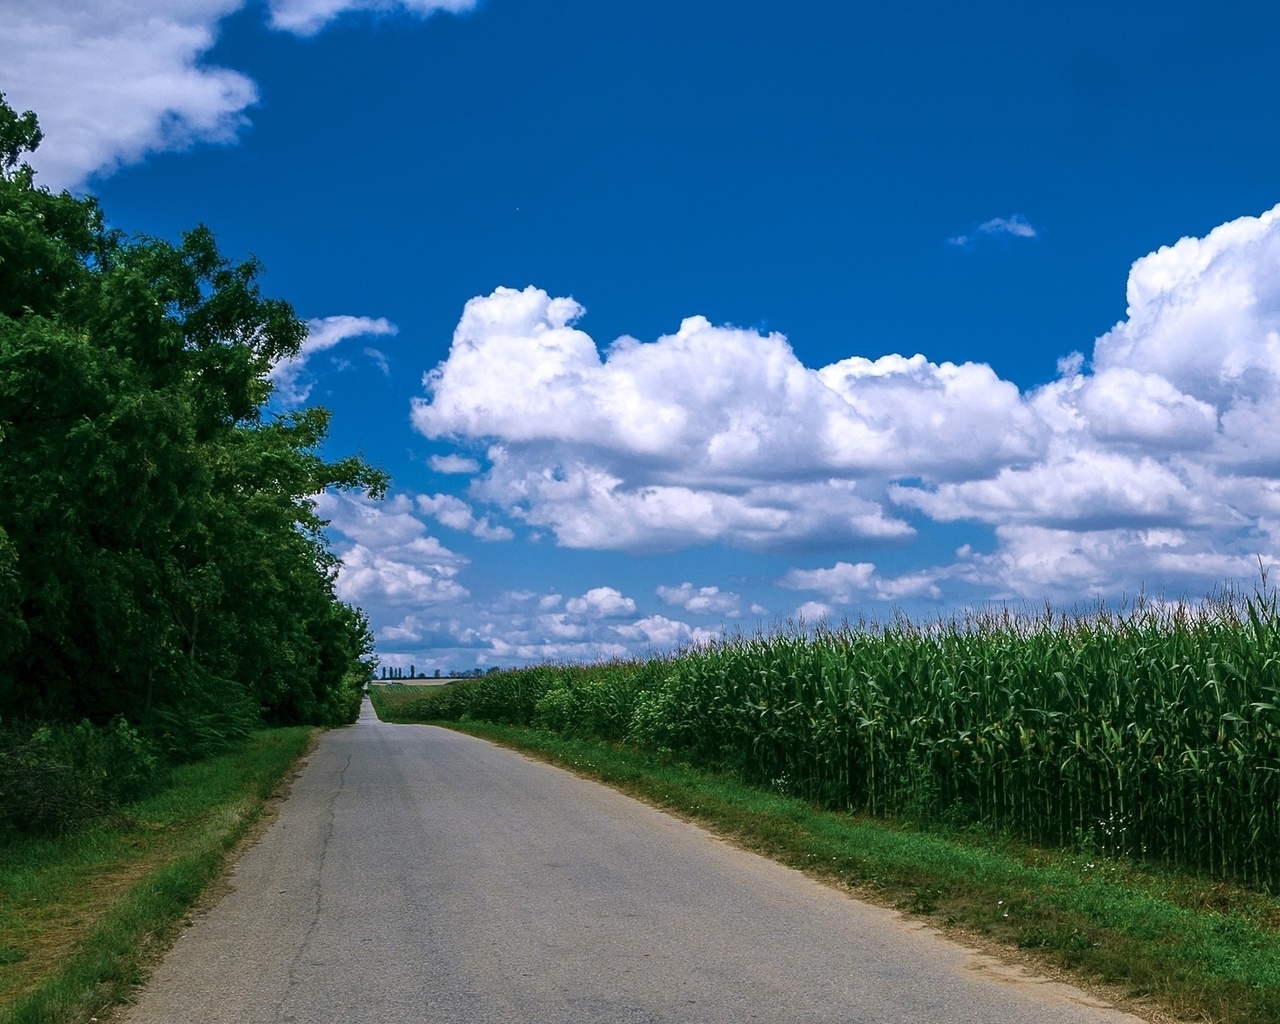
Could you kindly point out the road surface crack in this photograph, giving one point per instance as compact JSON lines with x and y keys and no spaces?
{"x":317,"y":911}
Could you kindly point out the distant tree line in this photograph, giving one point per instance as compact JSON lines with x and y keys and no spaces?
{"x":391,"y":672}
{"x":163,"y":573}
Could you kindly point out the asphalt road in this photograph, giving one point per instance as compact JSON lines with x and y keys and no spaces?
{"x":418,"y":875}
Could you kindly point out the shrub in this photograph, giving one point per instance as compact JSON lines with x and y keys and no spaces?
{"x":55,"y":777}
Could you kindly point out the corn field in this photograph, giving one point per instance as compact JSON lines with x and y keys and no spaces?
{"x":1153,"y":733}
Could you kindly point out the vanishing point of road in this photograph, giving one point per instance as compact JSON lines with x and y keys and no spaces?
{"x":419,"y":875}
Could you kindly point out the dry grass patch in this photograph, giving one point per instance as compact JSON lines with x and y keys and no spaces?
{"x":43,"y":929}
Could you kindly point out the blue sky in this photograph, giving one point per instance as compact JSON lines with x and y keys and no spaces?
{"x":921,"y":305}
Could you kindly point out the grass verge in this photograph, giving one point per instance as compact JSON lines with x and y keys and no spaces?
{"x":1161,"y":943}
{"x":80,"y":916}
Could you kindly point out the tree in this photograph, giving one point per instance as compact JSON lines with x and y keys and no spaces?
{"x":160,"y":553}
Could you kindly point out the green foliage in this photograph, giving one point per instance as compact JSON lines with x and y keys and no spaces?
{"x":160,"y":554}
{"x":200,"y":716}
{"x":1152,"y":734}
{"x":58,"y":775}
{"x":12,"y":628}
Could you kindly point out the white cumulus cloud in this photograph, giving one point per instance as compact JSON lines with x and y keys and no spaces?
{"x":847,"y":583}
{"x":813,"y":612}
{"x":1016,"y":226}
{"x":711,"y":434}
{"x":1036,"y":563}
{"x":1082,"y":487}
{"x":389,"y":560}
{"x":456,"y":514}
{"x":113,"y":82}
{"x":307,"y":17}
{"x":591,"y":506}
{"x":661,"y":633}
{"x":710,"y":403}
{"x":718,"y":435}
{"x":702,"y":600}
{"x":1163,"y":463}
{"x":601,"y":603}
{"x":292,"y":382}
{"x":453,"y":464}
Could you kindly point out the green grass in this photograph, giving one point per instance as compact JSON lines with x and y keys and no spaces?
{"x":1198,"y":949}
{"x":81,"y":915}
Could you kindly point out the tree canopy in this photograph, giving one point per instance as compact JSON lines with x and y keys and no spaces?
{"x":160,"y":554}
